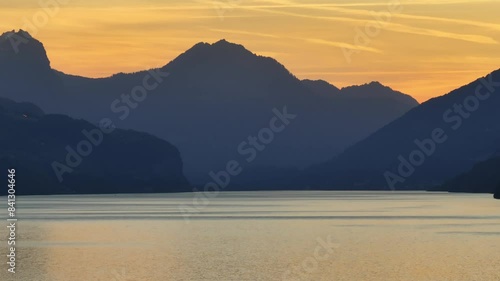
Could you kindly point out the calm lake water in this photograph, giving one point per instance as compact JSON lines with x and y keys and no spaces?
{"x":355,"y":236}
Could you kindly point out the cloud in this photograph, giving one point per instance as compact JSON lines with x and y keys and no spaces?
{"x":480,"y":39}
{"x":232,"y":31}
{"x":442,"y":34}
{"x":343,"y":45}
{"x":369,"y":13}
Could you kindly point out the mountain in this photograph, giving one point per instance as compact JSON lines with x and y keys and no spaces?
{"x":88,"y":159}
{"x":373,"y":91}
{"x":484,"y":177}
{"x":378,"y":93}
{"x":430,"y":144}
{"x":321,"y":87}
{"x":21,"y":53}
{"x":213,"y":100}
{"x":25,"y":71}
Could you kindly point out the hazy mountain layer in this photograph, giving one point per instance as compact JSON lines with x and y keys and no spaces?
{"x":484,"y":177}
{"x":430,"y":144}
{"x":216,"y":103}
{"x":57,"y":154}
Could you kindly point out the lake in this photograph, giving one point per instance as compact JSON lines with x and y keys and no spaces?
{"x":288,"y":235}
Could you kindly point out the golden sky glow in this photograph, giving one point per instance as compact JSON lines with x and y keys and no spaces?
{"x":425,"y":48}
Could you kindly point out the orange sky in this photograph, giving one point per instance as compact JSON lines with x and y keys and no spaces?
{"x":424,"y":48}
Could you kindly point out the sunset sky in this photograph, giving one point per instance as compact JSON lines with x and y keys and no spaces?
{"x":424,"y":48}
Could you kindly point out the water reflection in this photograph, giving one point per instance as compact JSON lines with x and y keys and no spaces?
{"x":258,"y":236}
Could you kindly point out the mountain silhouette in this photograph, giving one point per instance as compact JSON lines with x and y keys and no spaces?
{"x":462,"y":125}
{"x":19,"y":50}
{"x":25,"y":71}
{"x":216,"y":96}
{"x":377,"y":93}
{"x":484,"y":177}
{"x":210,"y":99}
{"x":321,"y":87}
{"x":119,"y":162}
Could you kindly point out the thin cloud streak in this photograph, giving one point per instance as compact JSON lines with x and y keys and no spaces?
{"x":232,"y":31}
{"x":441,"y":34}
{"x":343,"y":45}
{"x":369,"y":13}
{"x":394,"y":27}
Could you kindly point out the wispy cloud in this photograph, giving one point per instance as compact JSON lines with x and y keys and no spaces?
{"x":291,"y":4}
{"x":232,"y":31}
{"x":343,"y":45}
{"x":369,"y":13}
{"x":480,"y":39}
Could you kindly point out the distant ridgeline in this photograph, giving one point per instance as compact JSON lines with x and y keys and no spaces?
{"x":214,"y":102}
{"x":207,"y":102}
{"x":484,"y":177}
{"x":432,"y":143}
{"x":88,"y":161}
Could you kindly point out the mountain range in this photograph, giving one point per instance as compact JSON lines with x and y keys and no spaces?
{"x":55,"y":154}
{"x":484,"y":177}
{"x":432,"y":143}
{"x":219,"y":103}
{"x":208,"y":102}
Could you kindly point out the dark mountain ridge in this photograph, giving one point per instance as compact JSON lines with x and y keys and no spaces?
{"x":122,"y":161}
{"x":465,"y":138}
{"x":211,"y":98}
{"x":484,"y":177}
{"x":25,"y":71}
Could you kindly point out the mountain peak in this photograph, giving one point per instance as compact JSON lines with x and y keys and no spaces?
{"x":226,"y":46}
{"x":375,"y":84}
{"x":321,"y":87}
{"x":219,"y":53}
{"x":221,"y":47}
{"x":15,"y":38}
{"x":20,"y":51}
{"x":376,"y":89}
{"x":222,"y":42}
{"x":371,"y":85}
{"x":21,"y":33}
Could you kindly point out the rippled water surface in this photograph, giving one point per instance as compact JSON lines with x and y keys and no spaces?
{"x":258,"y":236}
